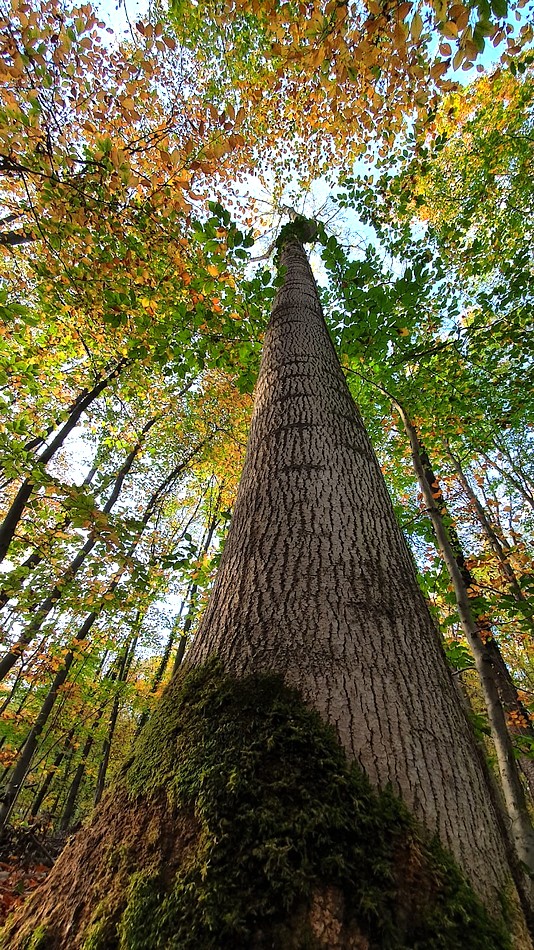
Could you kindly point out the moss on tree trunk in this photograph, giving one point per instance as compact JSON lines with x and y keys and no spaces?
{"x":239,"y":822}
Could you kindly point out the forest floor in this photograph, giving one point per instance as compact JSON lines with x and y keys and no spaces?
{"x":26,"y":856}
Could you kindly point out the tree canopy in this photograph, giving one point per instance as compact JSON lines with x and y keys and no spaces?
{"x":142,"y":183}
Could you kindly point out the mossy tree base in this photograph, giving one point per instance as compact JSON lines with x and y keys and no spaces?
{"x":238,"y":822}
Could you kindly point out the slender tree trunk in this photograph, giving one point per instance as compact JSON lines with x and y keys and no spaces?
{"x":521,"y":487}
{"x":34,"y":559}
{"x":498,"y":546}
{"x":13,"y":516}
{"x":25,"y":757}
{"x":191,"y":611}
{"x":180,"y":653}
{"x":66,"y":751}
{"x":74,"y":790}
{"x":122,"y":676}
{"x":27,"y":751}
{"x":10,"y":696}
{"x":490,"y":666}
{"x":162,"y":666}
{"x":70,"y":573}
{"x":47,"y":781}
{"x":62,"y":784}
{"x":316,"y":585}
{"x":184,"y":636}
{"x":520,"y":723}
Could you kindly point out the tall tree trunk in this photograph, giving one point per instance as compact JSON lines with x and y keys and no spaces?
{"x":316,"y":585}
{"x":491,"y":668}
{"x":13,"y":516}
{"x":316,"y":581}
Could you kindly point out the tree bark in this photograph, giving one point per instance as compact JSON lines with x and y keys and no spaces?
{"x":316,"y":582}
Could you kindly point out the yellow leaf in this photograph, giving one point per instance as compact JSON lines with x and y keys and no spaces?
{"x":399,"y":35}
{"x":450,"y":29}
{"x":438,"y":69}
{"x":416,"y":27}
{"x":458,"y":58}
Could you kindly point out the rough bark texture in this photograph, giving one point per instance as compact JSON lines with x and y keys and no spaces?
{"x":316,"y":582}
{"x":239,"y":823}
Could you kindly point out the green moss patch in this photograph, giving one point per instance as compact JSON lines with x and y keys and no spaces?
{"x":238,"y":824}
{"x":285,"y":823}
{"x":39,"y":940}
{"x":304,"y":229}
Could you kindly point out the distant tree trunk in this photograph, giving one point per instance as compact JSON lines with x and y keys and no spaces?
{"x":13,"y":516}
{"x":120,"y":677}
{"x":71,"y":571}
{"x":74,"y":790}
{"x":44,"y":788}
{"x":162,"y":666}
{"x":498,"y":545}
{"x":491,"y":668}
{"x":62,"y":785}
{"x":316,"y":585}
{"x":190,"y":616}
{"x":517,"y":479}
{"x":34,"y":559}
{"x":25,"y":756}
